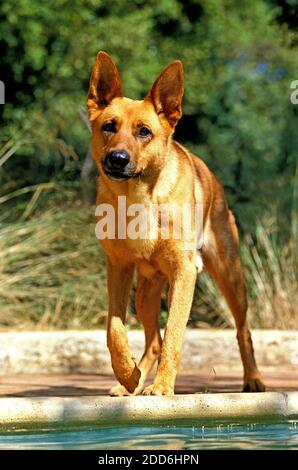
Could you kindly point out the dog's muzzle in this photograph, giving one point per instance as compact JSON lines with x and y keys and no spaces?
{"x":117,"y":166}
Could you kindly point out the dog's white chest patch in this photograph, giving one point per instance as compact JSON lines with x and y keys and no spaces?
{"x":199,"y":262}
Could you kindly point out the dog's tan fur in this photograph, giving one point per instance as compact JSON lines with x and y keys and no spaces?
{"x":168,"y":173}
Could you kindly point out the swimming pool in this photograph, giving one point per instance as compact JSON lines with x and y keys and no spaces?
{"x":198,"y":421}
{"x":223,"y":436}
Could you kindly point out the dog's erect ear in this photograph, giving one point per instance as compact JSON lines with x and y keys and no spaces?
{"x":105,"y":82}
{"x":167,"y":92}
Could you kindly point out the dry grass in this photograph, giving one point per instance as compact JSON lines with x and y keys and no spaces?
{"x":272,"y":279}
{"x":51,"y":272}
{"x":52,"y":275}
{"x":272,"y":283}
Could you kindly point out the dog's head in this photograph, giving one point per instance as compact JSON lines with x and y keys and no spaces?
{"x":129,"y":136}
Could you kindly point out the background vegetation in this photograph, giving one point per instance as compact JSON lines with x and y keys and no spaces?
{"x":239,"y":59}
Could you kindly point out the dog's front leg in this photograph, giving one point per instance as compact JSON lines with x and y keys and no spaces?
{"x":180,"y":299}
{"x":124,"y":366}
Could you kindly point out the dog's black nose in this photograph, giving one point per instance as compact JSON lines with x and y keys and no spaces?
{"x":118,"y":159}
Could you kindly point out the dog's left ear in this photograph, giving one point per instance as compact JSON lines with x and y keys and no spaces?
{"x":105,"y":83}
{"x":167,"y":92}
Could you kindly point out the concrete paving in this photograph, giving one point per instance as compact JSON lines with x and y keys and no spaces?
{"x":69,"y":352}
{"x":74,"y":391}
{"x":209,"y":408}
{"x":37,"y":385}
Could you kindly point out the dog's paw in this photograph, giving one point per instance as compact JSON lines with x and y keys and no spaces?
{"x":158,"y":390}
{"x":254,"y":385}
{"x":131,"y":382}
{"x":118,"y":391}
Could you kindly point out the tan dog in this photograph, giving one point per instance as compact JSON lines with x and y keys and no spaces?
{"x":134,"y":150}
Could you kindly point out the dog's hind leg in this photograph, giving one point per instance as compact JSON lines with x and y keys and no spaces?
{"x":148,"y":307}
{"x":119,"y":285}
{"x":222,"y":261}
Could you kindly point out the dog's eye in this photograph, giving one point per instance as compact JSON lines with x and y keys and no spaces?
{"x":109,"y":127}
{"x":144,"y":132}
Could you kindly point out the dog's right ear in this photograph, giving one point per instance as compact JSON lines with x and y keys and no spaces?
{"x":105,"y":83}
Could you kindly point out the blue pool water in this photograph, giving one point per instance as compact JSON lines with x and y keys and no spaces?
{"x":249,"y":436}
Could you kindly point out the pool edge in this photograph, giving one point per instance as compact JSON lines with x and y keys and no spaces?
{"x":36,"y":412}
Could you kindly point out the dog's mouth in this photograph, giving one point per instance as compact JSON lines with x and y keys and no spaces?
{"x":121,"y":175}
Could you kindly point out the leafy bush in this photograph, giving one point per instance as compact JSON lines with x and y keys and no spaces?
{"x":239,"y":63}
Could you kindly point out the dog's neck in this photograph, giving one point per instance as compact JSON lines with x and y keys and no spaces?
{"x":155,"y":185}
{"x":166,"y":180}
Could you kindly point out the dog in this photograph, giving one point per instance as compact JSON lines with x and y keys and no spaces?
{"x":137,"y":158}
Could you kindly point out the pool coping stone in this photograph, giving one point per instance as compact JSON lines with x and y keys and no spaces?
{"x":198,"y":409}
